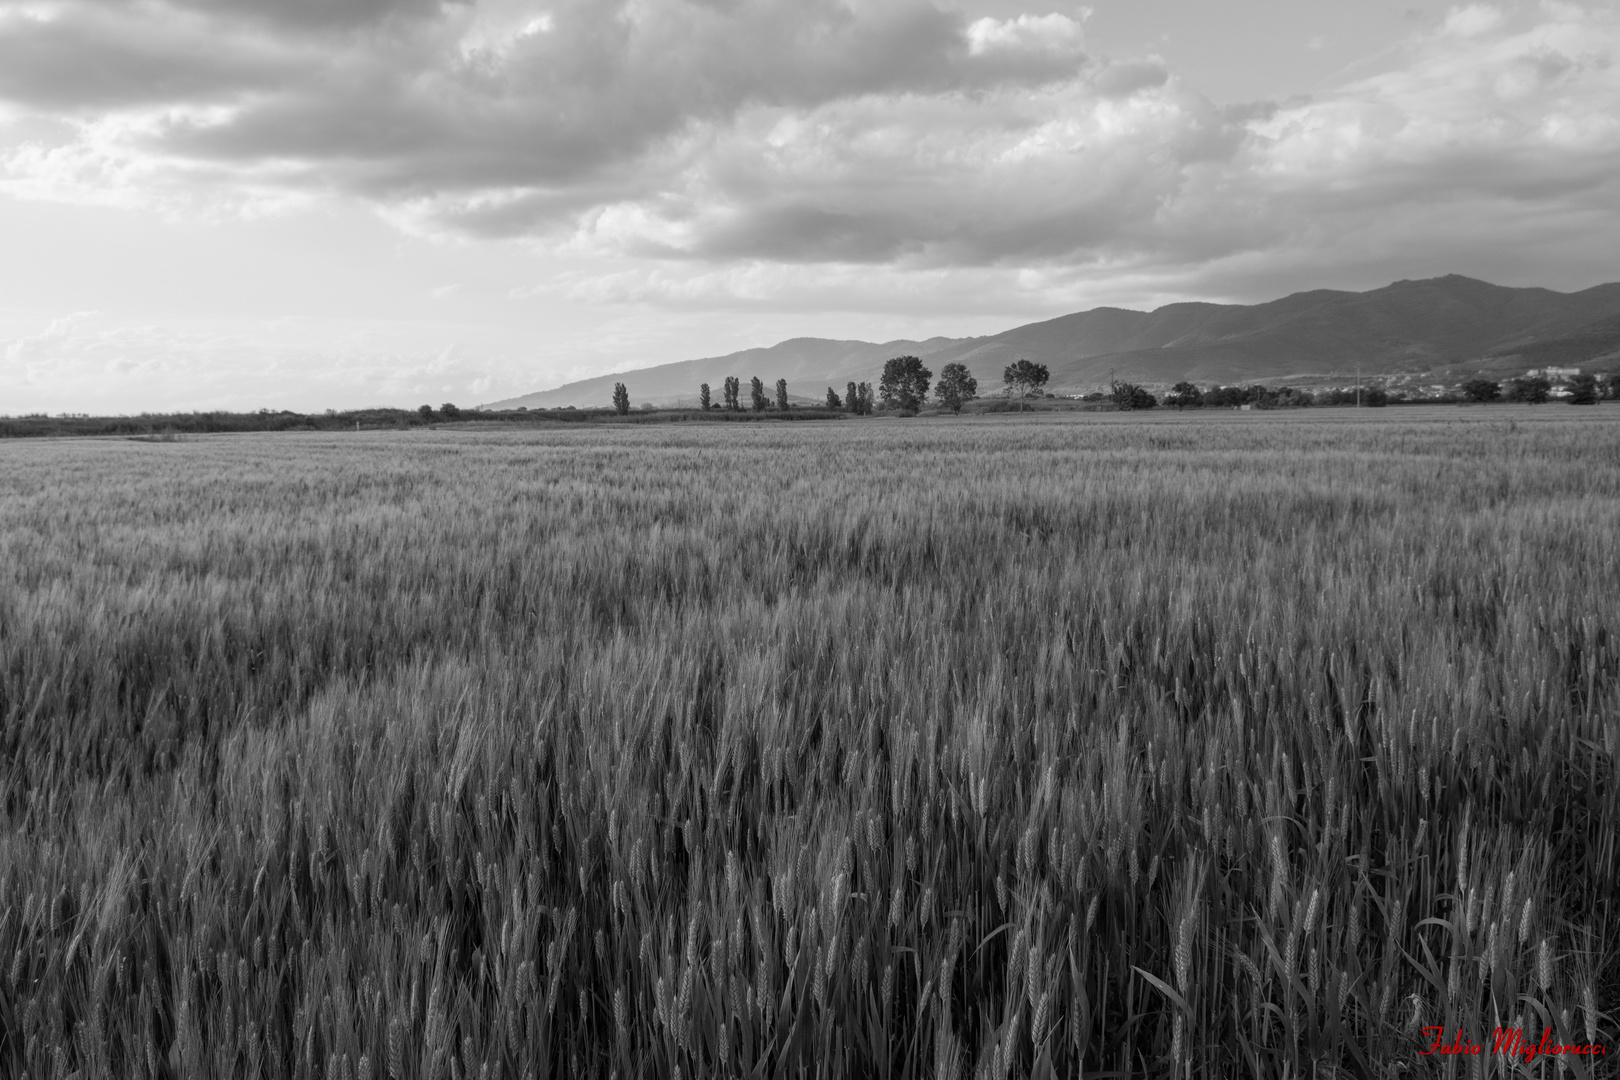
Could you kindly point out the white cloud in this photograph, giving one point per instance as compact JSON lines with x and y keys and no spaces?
{"x":1472,"y":20}
{"x":1026,"y":33}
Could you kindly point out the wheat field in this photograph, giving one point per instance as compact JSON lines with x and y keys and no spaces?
{"x":1256,"y":745}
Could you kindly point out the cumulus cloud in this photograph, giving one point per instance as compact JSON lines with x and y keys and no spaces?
{"x":1026,"y":34}
{"x":509,"y":116}
{"x":717,"y":137}
{"x":482,"y":102}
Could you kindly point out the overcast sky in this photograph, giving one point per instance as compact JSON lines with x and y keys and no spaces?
{"x":332,"y":203}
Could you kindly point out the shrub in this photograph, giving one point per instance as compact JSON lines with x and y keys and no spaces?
{"x":1127,"y":396}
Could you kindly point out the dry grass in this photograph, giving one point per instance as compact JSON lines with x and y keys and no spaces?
{"x":1196,"y":747}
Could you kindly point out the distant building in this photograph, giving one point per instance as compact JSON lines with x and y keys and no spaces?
{"x":1553,"y":373}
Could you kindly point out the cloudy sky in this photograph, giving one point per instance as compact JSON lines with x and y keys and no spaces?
{"x":331,"y":203}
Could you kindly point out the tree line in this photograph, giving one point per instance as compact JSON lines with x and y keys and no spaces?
{"x":1584,"y":389}
{"x":903,"y":388}
{"x":906,"y":382}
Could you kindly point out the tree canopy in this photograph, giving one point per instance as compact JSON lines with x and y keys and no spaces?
{"x":1130,"y":396}
{"x":1184,"y":395}
{"x":1532,"y":389}
{"x":1025,"y":377}
{"x":956,"y":387}
{"x":904,"y":385}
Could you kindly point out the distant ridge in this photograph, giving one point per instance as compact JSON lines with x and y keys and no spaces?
{"x":1446,"y":326}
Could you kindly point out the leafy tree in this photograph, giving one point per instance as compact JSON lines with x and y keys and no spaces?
{"x":756,"y":394}
{"x":1260,"y":397}
{"x":449,"y":411}
{"x":1583,"y":390}
{"x":426,"y":413}
{"x":956,"y":387}
{"x":904,"y":385}
{"x":1481,"y":390}
{"x":1130,"y":396}
{"x":621,"y":399}
{"x":781,"y":395}
{"x":1026,"y":377}
{"x":703,"y":398}
{"x":1372,"y":397}
{"x":852,"y":398}
{"x":1342,"y":396}
{"x":1530,"y":389}
{"x":733,"y":393}
{"x":833,"y":400}
{"x":1184,"y":395}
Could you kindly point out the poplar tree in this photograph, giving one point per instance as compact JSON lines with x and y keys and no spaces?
{"x":864,"y":394}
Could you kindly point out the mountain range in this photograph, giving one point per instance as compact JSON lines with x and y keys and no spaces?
{"x":1444,"y":329}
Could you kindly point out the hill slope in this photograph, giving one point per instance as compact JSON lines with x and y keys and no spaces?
{"x":1444,"y":325}
{"x":808,"y":364}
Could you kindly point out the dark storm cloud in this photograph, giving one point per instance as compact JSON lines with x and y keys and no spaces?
{"x":420,"y":98}
{"x":110,"y":57}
